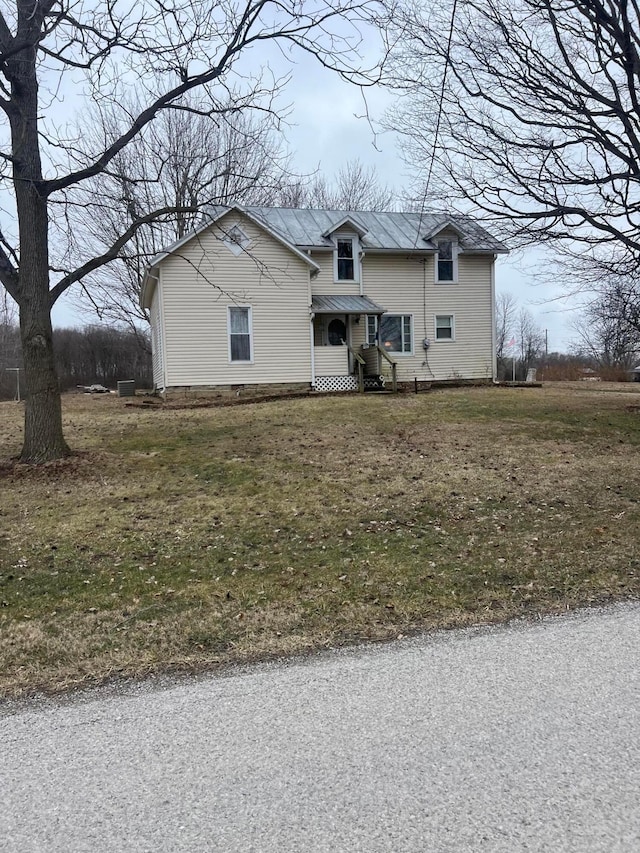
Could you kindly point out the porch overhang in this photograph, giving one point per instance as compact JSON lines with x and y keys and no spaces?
{"x":345,"y":305}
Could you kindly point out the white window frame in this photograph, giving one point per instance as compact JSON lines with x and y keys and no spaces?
{"x":355,"y":246}
{"x":247,"y":308}
{"x":371,"y":330}
{"x":454,"y":258}
{"x":438,"y":340}
{"x":236,"y":239}
{"x":376,"y":324}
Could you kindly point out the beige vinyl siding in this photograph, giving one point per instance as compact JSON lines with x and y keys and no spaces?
{"x":157,"y":354}
{"x":331,"y":361}
{"x":203,"y":278}
{"x":358,"y":332}
{"x":324,"y":285}
{"x":405,"y":285}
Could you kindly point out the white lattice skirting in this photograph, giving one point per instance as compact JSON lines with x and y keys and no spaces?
{"x":336,"y":383}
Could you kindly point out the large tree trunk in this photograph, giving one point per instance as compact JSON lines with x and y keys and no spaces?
{"x":43,"y":438}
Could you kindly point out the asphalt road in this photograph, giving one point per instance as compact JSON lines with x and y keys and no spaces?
{"x":521,"y":738}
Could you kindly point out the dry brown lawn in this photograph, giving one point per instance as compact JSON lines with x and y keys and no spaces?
{"x":183,"y":539}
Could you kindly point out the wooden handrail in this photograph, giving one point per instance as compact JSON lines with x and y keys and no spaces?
{"x":355,"y":354}
{"x":385,"y":354}
{"x":394,"y":367}
{"x":361,"y":365}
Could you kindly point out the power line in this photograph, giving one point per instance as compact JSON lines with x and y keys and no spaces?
{"x":447,"y":62}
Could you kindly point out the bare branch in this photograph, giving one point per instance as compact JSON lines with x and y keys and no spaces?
{"x":539,"y":122}
{"x":9,"y":275}
{"x":112,"y":252}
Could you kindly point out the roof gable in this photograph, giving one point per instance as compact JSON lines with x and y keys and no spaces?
{"x":446,"y":225}
{"x":211,"y":220}
{"x":348,"y":221}
{"x":215,"y":218}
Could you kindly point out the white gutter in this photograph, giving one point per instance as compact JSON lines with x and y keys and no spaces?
{"x":313,"y":354}
{"x":164,"y":331}
{"x":148,"y":274}
{"x":494,"y":357}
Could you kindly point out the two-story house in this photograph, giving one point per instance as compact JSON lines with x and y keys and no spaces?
{"x":329,"y":299}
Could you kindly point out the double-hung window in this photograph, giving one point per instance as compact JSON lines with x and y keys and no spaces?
{"x":346,"y":259}
{"x":393,"y":332}
{"x":444,"y":327}
{"x":240,"y":343}
{"x":447,"y":262}
{"x":372,"y":329}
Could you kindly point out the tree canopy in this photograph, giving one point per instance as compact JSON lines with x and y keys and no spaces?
{"x":528,"y":112}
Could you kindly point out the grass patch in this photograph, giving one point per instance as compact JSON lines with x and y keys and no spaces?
{"x":184,"y":539}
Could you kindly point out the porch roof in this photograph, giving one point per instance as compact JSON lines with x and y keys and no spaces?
{"x":345,"y":305}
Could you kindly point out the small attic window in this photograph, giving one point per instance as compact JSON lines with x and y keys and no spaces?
{"x":236,"y":240}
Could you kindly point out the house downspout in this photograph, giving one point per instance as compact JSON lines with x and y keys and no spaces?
{"x":311,"y":319}
{"x":313,"y":354}
{"x":494,"y":357}
{"x":164,"y":331}
{"x":161,"y":334}
{"x":361,"y":294}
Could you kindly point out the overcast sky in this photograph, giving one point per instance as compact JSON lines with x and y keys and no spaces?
{"x":327,"y":128}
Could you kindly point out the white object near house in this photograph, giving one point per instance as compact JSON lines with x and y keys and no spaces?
{"x":321,"y":298}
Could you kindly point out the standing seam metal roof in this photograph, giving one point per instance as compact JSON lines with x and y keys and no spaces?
{"x":385,"y":231}
{"x":345,"y":305}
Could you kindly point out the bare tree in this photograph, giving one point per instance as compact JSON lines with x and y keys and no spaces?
{"x":164,"y":49}
{"x":529,"y":111}
{"x":529,"y":340}
{"x":354,"y":187}
{"x":506,"y":310}
{"x":608,"y":331}
{"x":10,"y":360}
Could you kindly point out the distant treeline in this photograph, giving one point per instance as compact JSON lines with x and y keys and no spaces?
{"x":92,"y":355}
{"x":558,"y":366}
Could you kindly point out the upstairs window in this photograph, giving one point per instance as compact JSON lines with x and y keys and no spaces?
{"x":447,"y":261}
{"x":345,"y":260}
{"x":239,"y":324}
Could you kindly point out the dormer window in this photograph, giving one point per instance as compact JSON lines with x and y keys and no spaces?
{"x":345,"y":256}
{"x":447,"y":261}
{"x":345,"y":260}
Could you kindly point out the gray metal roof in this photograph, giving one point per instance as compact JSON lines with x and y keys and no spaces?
{"x":384,"y":231}
{"x":345,"y":305}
